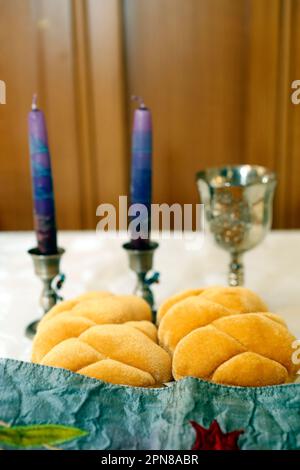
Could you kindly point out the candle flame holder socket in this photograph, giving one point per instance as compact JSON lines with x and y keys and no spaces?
{"x":47,"y":268}
{"x":141,"y":262}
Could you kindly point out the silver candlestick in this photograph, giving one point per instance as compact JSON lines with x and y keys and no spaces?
{"x":141,"y":262}
{"x":46,"y":267}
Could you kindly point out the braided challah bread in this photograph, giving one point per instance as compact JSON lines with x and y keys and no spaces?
{"x":222,"y":334}
{"x":103,"y":336}
{"x":184,"y":312}
{"x":103,"y":307}
{"x":237,"y":299}
{"x":248,"y":350}
{"x":213,"y":335}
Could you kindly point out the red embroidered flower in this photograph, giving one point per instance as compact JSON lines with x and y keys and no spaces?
{"x":213,"y":438}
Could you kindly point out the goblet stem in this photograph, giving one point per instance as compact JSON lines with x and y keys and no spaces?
{"x":236,"y":270}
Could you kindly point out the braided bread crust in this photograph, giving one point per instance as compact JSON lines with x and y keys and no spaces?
{"x":102,"y":307}
{"x":106,"y":337}
{"x":235,"y":299}
{"x":193,"y":309}
{"x":248,"y":350}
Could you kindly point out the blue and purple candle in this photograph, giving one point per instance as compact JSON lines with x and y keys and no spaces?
{"x":141,"y":170}
{"x":42,"y":185}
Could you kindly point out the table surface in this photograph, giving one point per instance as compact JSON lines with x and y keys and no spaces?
{"x":96,"y":261}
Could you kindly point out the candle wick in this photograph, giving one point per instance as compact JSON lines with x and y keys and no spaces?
{"x":34,"y":102}
{"x":139,"y":99}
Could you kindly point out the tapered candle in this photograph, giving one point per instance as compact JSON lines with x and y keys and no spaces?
{"x":141,"y":169}
{"x":42,"y":186}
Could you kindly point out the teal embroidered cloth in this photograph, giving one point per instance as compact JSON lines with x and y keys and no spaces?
{"x":44,"y":407}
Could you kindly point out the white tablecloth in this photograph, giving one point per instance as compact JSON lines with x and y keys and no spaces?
{"x":93,"y":261}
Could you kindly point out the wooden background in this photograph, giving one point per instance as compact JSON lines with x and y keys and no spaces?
{"x":217,"y":75}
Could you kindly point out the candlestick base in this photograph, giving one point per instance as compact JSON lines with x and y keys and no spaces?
{"x":141,"y":262}
{"x":46,"y":267}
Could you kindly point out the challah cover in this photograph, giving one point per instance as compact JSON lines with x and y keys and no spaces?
{"x":48,"y":408}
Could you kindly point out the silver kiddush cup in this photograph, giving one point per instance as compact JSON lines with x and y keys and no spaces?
{"x":238,"y":202}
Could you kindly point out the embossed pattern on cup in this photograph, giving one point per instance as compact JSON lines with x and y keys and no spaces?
{"x":238,"y":207}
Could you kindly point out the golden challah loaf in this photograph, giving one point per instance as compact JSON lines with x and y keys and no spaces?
{"x":248,"y":350}
{"x":237,"y":299}
{"x":226,"y":335}
{"x":184,"y":312}
{"x":103,"y":307}
{"x":103,"y":336}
